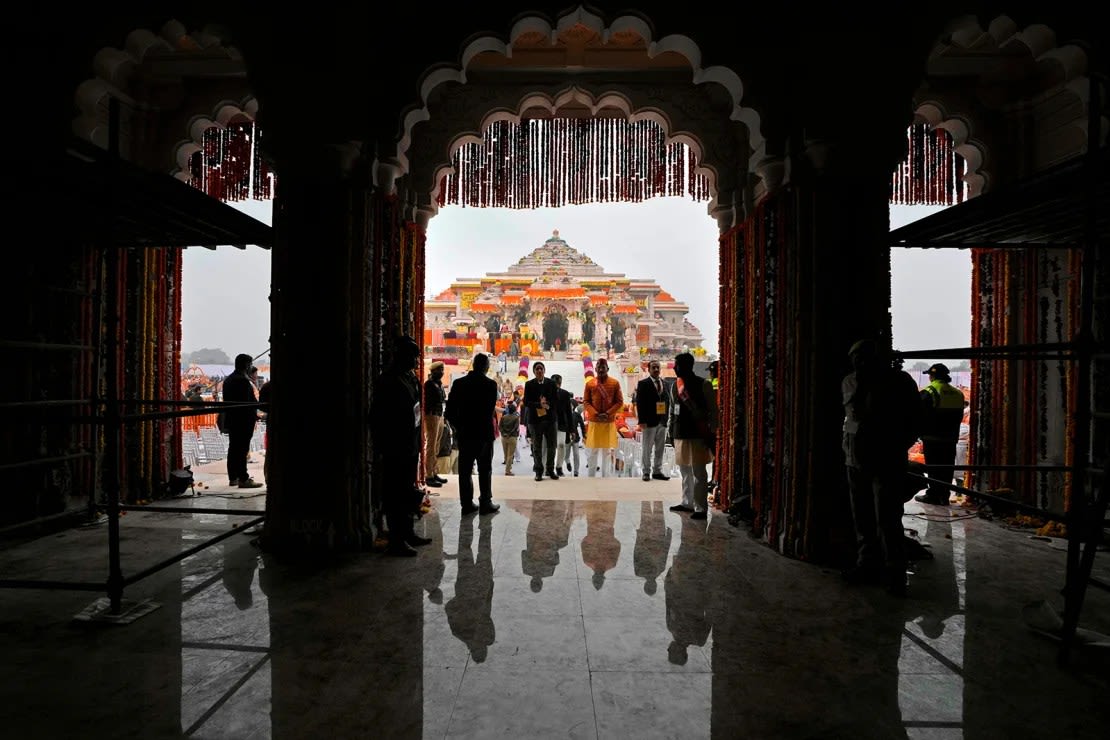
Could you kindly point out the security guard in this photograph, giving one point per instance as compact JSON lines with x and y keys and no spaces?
{"x":944,"y":411}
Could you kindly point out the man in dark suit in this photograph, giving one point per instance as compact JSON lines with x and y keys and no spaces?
{"x":652,"y":406}
{"x":542,"y":399}
{"x":564,"y":419}
{"x":240,"y":423}
{"x":470,"y":411}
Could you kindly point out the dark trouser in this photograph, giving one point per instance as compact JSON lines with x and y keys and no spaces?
{"x":238,"y":445}
{"x":469,"y":453}
{"x":940,"y":452}
{"x":400,"y":499}
{"x":876,"y":498}
{"x":544,"y":432}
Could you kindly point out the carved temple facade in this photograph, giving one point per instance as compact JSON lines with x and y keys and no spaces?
{"x":557,"y":279}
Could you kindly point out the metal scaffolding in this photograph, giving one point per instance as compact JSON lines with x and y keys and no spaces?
{"x":131,"y":208}
{"x":1063,"y":208}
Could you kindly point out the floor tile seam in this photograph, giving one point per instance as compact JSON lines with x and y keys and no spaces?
{"x":455,"y":696}
{"x":644,"y":671}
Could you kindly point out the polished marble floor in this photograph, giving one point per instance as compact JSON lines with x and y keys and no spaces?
{"x":550,"y":619}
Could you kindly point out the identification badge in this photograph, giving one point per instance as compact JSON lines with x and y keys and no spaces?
{"x":677,"y":408}
{"x":416,"y":414}
{"x":541,"y":411}
{"x":660,"y":408}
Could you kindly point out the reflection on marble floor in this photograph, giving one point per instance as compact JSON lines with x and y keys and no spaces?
{"x":550,"y":619}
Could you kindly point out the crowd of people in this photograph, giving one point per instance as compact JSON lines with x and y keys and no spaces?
{"x":885,"y":413}
{"x":553,"y":422}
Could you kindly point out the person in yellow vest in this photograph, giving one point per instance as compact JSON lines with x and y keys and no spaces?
{"x":943,"y":406}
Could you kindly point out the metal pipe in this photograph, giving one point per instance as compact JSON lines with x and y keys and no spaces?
{"x":43,"y":403}
{"x":187,"y":510}
{"x":98,"y":373}
{"x":52,"y":346}
{"x":197,"y":412}
{"x":1082,"y":533}
{"x":1005,"y":502}
{"x":1035,"y":350}
{"x":113,"y":429}
{"x":1041,"y":468}
{"x":186,"y":553}
{"x":984,"y":245}
{"x":41,"y":520}
{"x":44,"y":461}
{"x":52,"y":585}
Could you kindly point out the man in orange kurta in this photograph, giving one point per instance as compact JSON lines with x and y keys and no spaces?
{"x":602,"y":401}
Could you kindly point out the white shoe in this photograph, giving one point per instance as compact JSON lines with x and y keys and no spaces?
{"x":249,"y":483}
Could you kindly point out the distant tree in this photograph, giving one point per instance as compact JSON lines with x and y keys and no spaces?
{"x":962,"y":366}
{"x":209,"y":356}
{"x":493,"y":324}
{"x":920,"y":366}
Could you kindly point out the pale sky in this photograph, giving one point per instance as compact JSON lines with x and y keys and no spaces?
{"x":226,"y":291}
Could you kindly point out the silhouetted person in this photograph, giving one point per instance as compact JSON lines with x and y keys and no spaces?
{"x":396,"y":417}
{"x":264,"y":395}
{"x":471,"y":413}
{"x":687,"y":593}
{"x":469,"y":610}
{"x":653,"y":544}
{"x":240,"y":563}
{"x":548,"y":532}
{"x":692,"y":427}
{"x":431,"y":574}
{"x":434,"y":399}
{"x":600,"y":547}
{"x":240,"y":422}
{"x":942,"y":413}
{"x":881,"y":418}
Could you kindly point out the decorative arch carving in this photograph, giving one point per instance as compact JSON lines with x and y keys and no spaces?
{"x":688,"y":116}
{"x":1058,"y":74}
{"x":115,"y":69}
{"x":627,"y":33}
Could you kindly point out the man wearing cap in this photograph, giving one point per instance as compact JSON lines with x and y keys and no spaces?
{"x":881,"y":420}
{"x":434,"y":398}
{"x":943,"y":407}
{"x":395,"y":419}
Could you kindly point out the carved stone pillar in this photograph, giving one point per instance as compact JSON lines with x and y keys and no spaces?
{"x":574,"y":327}
{"x":843,"y":214}
{"x":318,"y":483}
{"x":601,"y":321}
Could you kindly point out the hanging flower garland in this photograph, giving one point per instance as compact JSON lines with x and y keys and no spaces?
{"x":932,"y":173}
{"x":556,"y":162}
